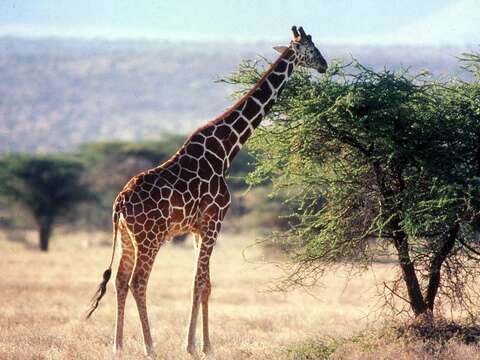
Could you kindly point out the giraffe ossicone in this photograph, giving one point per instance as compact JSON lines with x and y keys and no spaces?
{"x":189,"y":194}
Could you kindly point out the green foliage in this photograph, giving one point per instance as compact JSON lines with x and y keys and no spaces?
{"x":47,"y":187}
{"x":364,"y":154}
{"x":313,"y":349}
{"x":471,"y":62}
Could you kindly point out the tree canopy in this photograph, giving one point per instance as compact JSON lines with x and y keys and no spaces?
{"x":47,"y":187}
{"x":389,"y":156}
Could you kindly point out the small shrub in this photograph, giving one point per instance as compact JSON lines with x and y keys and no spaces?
{"x":314,"y":349}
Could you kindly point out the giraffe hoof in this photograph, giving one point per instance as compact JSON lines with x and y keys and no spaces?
{"x":206,"y":352}
{"x":150,"y":353}
{"x":191,"y":349}
{"x":117,"y":352}
{"x":206,"y":349}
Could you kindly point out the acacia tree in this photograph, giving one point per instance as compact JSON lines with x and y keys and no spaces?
{"x":47,"y":187}
{"x":378,"y":155}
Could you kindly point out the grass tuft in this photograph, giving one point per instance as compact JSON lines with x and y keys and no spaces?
{"x":320,"y":348}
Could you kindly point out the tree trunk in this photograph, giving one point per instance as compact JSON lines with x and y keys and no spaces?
{"x":400,"y":240}
{"x":417,"y":302}
{"x":437,"y":262}
{"x":44,"y":232}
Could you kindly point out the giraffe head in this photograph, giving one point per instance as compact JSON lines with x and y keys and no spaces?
{"x":308,"y":55}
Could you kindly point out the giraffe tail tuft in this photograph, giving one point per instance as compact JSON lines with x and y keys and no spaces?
{"x":102,"y":288}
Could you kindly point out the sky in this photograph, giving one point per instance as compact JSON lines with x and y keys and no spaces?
{"x":331,"y":21}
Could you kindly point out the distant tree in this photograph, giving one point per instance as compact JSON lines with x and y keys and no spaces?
{"x":48,"y":187}
{"x":386,"y":156}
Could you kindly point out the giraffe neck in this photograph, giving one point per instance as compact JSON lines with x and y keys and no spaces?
{"x":248,"y":112}
{"x":223,"y":137}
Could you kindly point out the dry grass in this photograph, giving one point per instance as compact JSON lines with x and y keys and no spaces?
{"x":44,"y":297}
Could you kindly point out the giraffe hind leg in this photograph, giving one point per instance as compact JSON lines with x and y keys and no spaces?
{"x":144,"y":259}
{"x":124,"y":272}
{"x":206,"y":347}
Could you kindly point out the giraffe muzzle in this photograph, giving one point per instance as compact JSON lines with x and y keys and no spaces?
{"x":322,"y":69}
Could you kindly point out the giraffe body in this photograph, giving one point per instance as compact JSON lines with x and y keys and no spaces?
{"x":189,"y":194}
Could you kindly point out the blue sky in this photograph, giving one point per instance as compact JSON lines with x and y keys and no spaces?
{"x":354,"y":21}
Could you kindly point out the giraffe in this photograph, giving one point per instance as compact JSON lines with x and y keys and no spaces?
{"x":188,"y":194}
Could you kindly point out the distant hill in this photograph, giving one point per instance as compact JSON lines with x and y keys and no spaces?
{"x":58,"y":93}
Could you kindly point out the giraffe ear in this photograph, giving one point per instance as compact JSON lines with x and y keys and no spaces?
{"x":280,"y":49}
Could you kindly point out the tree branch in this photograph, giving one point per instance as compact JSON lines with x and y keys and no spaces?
{"x":397,"y":295}
{"x":476,"y":252}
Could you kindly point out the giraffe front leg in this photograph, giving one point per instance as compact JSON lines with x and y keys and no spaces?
{"x":200,"y":292}
{"x":190,"y":343}
{"x":204,"y":295}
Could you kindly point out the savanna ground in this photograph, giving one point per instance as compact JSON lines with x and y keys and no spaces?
{"x":44,"y":297}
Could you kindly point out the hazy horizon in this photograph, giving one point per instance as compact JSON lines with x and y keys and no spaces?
{"x":430,"y":22}
{"x":75,"y":72}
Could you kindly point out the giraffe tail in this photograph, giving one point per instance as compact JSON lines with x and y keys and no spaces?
{"x":102,"y":288}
